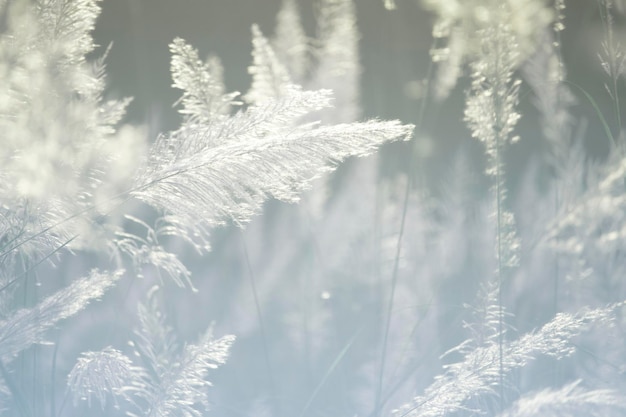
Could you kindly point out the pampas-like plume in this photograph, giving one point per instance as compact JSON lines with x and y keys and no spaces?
{"x":227,"y":169}
{"x":478,"y":374}
{"x":96,"y":374}
{"x":28,"y":326}
{"x":569,"y":401}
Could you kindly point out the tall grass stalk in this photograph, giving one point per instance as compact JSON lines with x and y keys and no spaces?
{"x":411,"y":173}
{"x":263,"y":329}
{"x":612,"y":57}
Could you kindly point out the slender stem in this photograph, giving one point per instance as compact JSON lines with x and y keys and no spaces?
{"x":257,"y":304}
{"x":39,"y":262}
{"x":16,"y":393}
{"x":64,"y":402}
{"x":500,"y":85}
{"x":555,"y":300}
{"x":67,"y":219}
{"x":53,"y":371}
{"x":329,"y":371}
{"x":36,"y":354}
{"x":396,"y":262}
{"x":500,"y":279}
{"x":612,"y":56}
{"x":616,"y":102}
{"x":394,"y":281}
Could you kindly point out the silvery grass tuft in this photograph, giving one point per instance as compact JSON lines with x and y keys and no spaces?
{"x":572,"y":399}
{"x":460,"y":28}
{"x":490,"y":39}
{"x":70,"y":170}
{"x":76,"y":180}
{"x":168,"y":379}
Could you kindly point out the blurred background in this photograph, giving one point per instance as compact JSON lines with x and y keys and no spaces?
{"x":306,"y":288}
{"x":394,"y":55}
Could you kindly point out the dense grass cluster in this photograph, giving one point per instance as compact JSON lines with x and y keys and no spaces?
{"x":376,"y":294}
